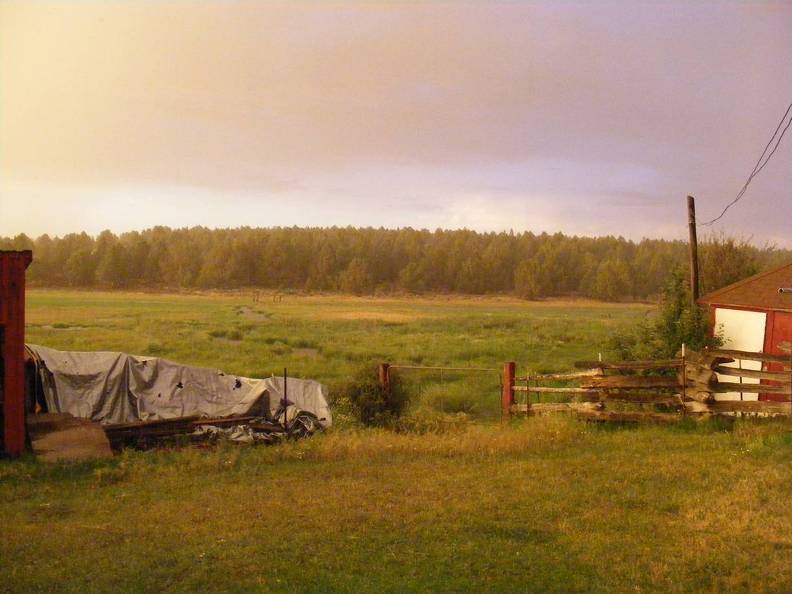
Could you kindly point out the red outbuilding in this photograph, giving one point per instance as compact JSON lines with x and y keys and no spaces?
{"x":755,"y":314}
{"x":12,"y":351}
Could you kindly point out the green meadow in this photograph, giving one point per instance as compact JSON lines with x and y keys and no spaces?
{"x":544,"y":504}
{"x":329,"y":338}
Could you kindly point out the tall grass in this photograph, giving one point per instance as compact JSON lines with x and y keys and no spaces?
{"x":446,"y":501}
{"x":548,"y":504}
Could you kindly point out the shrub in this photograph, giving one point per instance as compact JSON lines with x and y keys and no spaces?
{"x":155,"y":349}
{"x":372,"y":405}
{"x":676,"y":322}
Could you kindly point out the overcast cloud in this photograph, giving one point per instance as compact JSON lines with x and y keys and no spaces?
{"x":588,"y":119}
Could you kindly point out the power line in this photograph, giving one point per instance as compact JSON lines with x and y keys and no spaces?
{"x":759,"y":164}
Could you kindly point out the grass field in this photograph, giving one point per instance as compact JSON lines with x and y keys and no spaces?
{"x":547,"y":504}
{"x":330,"y":338}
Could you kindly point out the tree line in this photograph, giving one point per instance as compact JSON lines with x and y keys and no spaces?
{"x":369,"y":260}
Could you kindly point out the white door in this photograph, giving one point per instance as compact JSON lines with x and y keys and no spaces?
{"x":741,"y":331}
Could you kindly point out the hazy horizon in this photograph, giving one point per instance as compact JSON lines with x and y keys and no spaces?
{"x":543,"y":117}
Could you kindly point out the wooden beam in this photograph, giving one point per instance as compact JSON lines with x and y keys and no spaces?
{"x":629,"y":382}
{"x":694,"y":267}
{"x":777,"y":376}
{"x":220,"y":421}
{"x":722,"y":387}
{"x":551,"y":390}
{"x":562,"y":376}
{"x":384,"y":377}
{"x":152,"y":423}
{"x":659,"y":364}
{"x":507,"y":393}
{"x":744,"y":406}
{"x":542,"y":408}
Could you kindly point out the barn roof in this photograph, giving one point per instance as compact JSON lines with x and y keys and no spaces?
{"x":758,"y":291}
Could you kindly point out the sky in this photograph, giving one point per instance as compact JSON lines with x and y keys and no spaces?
{"x":590,"y":119}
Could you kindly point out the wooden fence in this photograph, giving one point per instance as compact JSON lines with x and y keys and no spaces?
{"x":661,"y":391}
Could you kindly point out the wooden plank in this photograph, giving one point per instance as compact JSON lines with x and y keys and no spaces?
{"x":629,"y":382}
{"x":751,"y":356}
{"x":219,"y":421}
{"x":153,"y":423}
{"x":633,"y":398}
{"x":721,"y":387}
{"x":778,"y":376}
{"x":507,"y":390}
{"x":744,"y":406}
{"x":563,"y":376}
{"x":542,"y":408}
{"x":659,"y":364}
{"x":550,"y":390}
{"x":156,"y":430}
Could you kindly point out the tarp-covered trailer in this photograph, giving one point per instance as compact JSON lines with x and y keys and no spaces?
{"x":154,"y":396}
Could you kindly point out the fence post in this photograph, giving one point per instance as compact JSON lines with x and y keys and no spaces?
{"x":507,"y":396}
{"x":384,"y":377}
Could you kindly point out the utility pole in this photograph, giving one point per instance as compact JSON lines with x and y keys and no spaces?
{"x":694,"y":268}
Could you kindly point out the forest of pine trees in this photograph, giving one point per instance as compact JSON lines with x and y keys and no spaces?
{"x":367,"y":260}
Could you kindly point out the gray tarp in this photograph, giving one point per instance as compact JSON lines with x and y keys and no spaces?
{"x":121,"y":388}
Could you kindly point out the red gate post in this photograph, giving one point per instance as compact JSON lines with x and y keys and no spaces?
{"x":507,"y":396}
{"x":12,"y":348}
{"x":384,"y":377}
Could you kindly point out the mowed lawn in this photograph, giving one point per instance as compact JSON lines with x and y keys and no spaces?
{"x":545,"y":504}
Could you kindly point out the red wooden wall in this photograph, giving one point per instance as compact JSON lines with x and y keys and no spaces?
{"x":778,"y":341}
{"x":12,"y":348}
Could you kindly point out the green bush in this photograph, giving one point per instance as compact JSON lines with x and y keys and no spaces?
{"x":676,"y":322}
{"x":371,"y":404}
{"x":155,"y":349}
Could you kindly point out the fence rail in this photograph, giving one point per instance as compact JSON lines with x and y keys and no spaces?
{"x":659,"y":390}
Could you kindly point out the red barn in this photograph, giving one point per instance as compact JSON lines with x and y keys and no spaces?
{"x":755,"y":314}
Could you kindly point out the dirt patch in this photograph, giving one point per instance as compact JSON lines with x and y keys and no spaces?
{"x":251,"y":314}
{"x":61,"y":437}
{"x":382,"y":316}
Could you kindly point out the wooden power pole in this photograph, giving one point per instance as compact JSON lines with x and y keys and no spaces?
{"x":694,"y":268}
